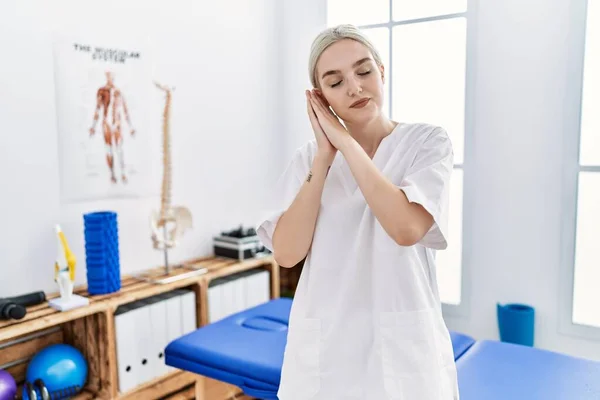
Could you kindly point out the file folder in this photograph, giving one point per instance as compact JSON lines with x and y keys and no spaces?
{"x":245,"y":290}
{"x":142,"y":334}
{"x":126,"y":349}
{"x":144,"y":328}
{"x":158,"y":332}
{"x":188,"y":311}
{"x":263,"y":279}
{"x":258,"y":288}
{"x":173,"y":318}
{"x":227,"y":296}
{"x":214,"y":300}
{"x":239,"y":293}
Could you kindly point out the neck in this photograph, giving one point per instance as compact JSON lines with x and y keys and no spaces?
{"x":370,"y":133}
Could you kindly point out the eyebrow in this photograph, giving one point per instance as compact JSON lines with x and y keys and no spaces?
{"x":356,"y":64}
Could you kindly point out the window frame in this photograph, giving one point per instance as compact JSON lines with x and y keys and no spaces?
{"x":461,"y":309}
{"x":572,"y":170}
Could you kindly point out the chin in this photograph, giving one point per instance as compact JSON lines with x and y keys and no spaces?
{"x":362,"y":115}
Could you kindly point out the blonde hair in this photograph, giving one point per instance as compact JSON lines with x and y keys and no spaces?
{"x":331,"y":35}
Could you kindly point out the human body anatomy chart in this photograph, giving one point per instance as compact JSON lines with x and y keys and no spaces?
{"x":107,"y":144}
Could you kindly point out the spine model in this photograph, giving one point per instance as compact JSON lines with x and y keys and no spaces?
{"x":166,"y":182}
{"x":170,"y":223}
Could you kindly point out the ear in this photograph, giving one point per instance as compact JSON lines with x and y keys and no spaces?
{"x":382,"y":70}
{"x":322,"y":97}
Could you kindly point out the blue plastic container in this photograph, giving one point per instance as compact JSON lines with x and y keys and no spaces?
{"x":516,"y":323}
{"x":103,"y":266}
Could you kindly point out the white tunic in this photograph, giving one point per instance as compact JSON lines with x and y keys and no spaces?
{"x":366,"y":320}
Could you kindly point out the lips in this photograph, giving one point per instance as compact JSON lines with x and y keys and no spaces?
{"x":360,"y":103}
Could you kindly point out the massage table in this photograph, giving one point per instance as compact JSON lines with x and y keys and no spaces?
{"x":460,"y":343}
{"x":493,"y":370}
{"x":246,"y":350}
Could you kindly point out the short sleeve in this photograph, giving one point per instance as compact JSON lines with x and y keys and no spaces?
{"x":427,"y":182}
{"x":286,"y":188}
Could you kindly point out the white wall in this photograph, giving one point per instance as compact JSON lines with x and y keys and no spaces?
{"x":301,"y":21}
{"x":222,"y":57}
{"x":513,"y":181}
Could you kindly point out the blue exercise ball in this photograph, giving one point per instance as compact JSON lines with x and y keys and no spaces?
{"x":60,"y":366}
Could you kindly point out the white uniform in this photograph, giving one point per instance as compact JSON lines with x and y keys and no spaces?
{"x":366,"y":321}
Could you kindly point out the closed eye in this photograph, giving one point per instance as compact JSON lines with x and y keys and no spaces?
{"x":360,"y":73}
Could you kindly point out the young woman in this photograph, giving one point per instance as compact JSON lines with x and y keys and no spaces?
{"x":365,"y":205}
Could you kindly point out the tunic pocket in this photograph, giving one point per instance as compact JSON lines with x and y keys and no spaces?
{"x":409,"y":355}
{"x":304,"y":345}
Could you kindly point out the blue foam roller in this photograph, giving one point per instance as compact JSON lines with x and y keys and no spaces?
{"x":102,"y":252}
{"x":100,"y":216}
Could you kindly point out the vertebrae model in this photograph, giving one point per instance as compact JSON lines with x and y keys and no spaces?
{"x":170,"y":223}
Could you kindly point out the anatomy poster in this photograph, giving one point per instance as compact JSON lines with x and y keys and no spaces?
{"x":107,"y":136}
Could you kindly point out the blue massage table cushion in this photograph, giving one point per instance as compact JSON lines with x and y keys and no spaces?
{"x":245,"y":349}
{"x":460,"y":343}
{"x":492,"y":370}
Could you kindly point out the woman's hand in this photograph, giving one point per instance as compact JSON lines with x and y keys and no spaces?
{"x":329,"y":122}
{"x":324,"y":146}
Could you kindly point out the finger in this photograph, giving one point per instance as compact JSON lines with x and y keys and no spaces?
{"x":309,"y":104}
{"x":312,"y":116}
{"x":321,"y":112}
{"x":317,"y":109}
{"x":322,"y":97}
{"x":325,"y":110}
{"x":326,"y":106}
{"x":311,"y":112}
{"x":322,"y":101}
{"x":311,"y":100}
{"x":317,"y":98}
{"x":316,"y":102}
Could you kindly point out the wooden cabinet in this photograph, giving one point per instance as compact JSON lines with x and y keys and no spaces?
{"x":91,"y":329}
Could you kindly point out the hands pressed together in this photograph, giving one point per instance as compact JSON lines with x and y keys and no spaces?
{"x":329,"y":132}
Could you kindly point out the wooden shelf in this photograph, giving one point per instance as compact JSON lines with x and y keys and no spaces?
{"x":161,"y":387}
{"x":85,"y":395}
{"x":91,"y":329}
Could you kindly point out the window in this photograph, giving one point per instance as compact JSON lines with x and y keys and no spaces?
{"x":423,"y":45}
{"x":586,"y":256}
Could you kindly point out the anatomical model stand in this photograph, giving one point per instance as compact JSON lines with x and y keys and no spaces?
{"x":170,"y":223}
{"x":64,"y":275}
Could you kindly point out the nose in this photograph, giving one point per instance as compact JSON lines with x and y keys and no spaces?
{"x":354,"y":87}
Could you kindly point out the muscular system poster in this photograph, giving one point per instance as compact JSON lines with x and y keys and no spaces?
{"x":103,"y":92}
